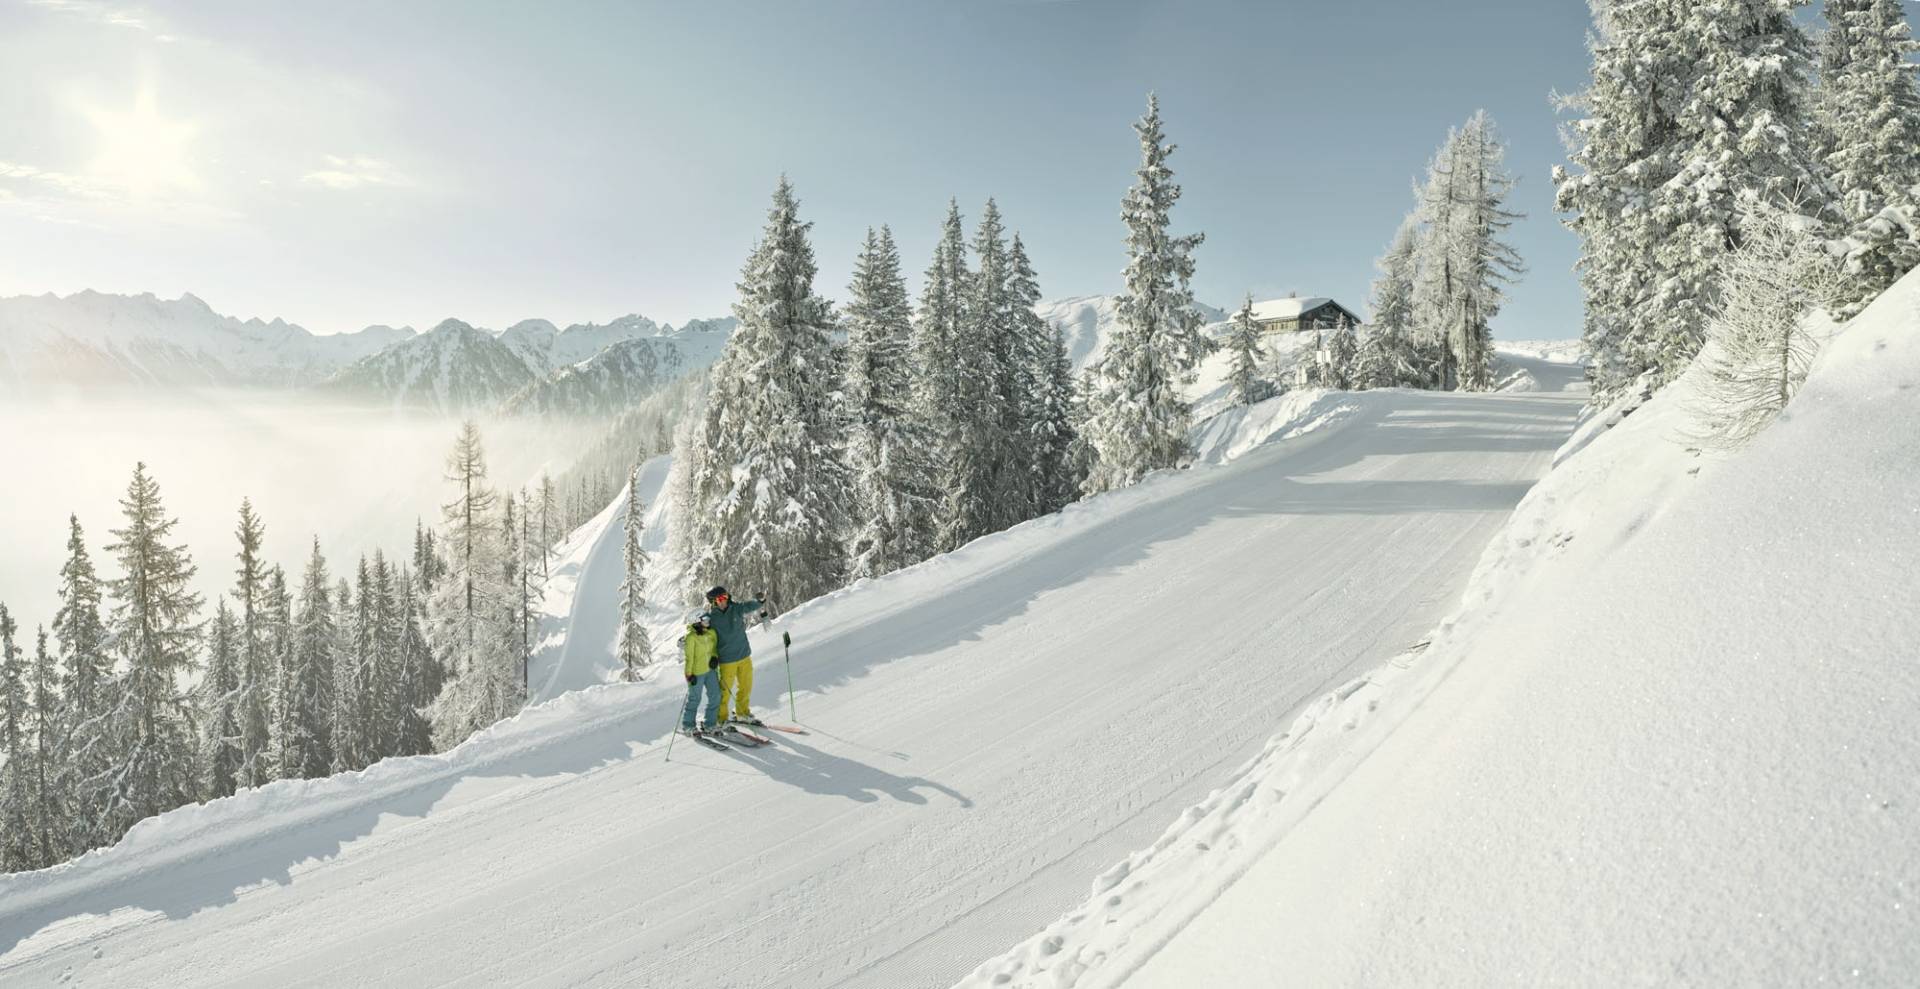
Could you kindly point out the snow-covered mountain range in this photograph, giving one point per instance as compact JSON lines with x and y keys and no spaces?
{"x":93,"y":339}
{"x":604,"y":384}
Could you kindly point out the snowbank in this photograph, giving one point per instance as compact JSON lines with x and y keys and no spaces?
{"x":1667,"y":738}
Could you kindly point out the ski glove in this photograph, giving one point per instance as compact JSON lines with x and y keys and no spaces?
{"x":689,"y":679}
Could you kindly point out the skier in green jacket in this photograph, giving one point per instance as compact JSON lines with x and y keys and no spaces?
{"x":699,"y":646}
{"x":735,"y":656}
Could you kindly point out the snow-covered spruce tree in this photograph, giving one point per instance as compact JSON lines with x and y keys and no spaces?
{"x":633,"y":648}
{"x":1761,"y":341}
{"x":1138,"y":415}
{"x":1343,"y":348}
{"x":470,"y":630}
{"x":83,"y":747}
{"x":1691,"y":106}
{"x":16,"y":742}
{"x":353,"y":672}
{"x":1870,"y":108}
{"x":937,"y":329}
{"x":409,"y":732}
{"x":340,"y":671}
{"x":154,"y":627}
{"x":888,"y":448}
{"x":979,"y":450}
{"x":770,"y":506}
{"x":1045,"y":389}
{"x":303,"y":707}
{"x":219,"y":702}
{"x":383,"y":676}
{"x":49,"y":815}
{"x":1387,"y":357}
{"x":1243,"y":342}
{"x":1460,"y":262}
{"x":428,"y":567}
{"x":253,"y":706}
{"x":674,"y":576}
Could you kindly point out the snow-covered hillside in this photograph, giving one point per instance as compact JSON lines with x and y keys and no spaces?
{"x":92,"y":339}
{"x":1086,"y":323}
{"x":584,"y":369}
{"x":547,"y":349}
{"x":610,"y":381}
{"x":1667,"y":739}
{"x":453,"y":367}
{"x":989,"y":730}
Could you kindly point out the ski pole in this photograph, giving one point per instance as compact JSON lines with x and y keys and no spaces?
{"x":786,"y":643}
{"x":676,"y":723}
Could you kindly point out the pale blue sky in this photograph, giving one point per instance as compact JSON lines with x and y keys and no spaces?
{"x":347,"y":163}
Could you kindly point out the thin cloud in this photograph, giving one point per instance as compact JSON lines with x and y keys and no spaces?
{"x":115,"y":15}
{"x":356,"y":172}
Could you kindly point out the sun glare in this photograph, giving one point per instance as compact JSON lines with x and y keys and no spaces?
{"x":142,"y":150}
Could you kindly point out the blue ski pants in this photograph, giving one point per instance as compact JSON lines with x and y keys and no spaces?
{"x":709,"y":682}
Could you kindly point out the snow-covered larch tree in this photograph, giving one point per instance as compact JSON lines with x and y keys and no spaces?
{"x":470,"y":608}
{"x":1138,"y":415}
{"x":1763,"y":338}
{"x":770,"y":508}
{"x":154,"y":627}
{"x":1460,"y":261}
{"x":888,"y":449}
{"x":633,"y":648}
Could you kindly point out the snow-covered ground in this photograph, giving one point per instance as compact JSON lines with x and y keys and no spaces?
{"x":1668,"y":739}
{"x":990,"y":730}
{"x":580,"y":614}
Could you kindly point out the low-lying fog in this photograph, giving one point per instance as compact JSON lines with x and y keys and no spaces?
{"x":357,"y":478}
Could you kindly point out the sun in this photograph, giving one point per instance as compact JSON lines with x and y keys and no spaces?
{"x":141,"y":150}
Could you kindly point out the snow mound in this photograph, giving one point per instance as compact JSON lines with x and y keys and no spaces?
{"x":1667,"y":737}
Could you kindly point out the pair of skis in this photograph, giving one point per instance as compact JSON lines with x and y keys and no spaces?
{"x":743,"y":738}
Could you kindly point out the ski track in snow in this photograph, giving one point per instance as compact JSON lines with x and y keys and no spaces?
{"x":991,"y":730}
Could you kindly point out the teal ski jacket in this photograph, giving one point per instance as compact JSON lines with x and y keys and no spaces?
{"x":730,"y":623}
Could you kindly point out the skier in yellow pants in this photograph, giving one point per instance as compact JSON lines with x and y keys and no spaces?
{"x":733,"y":659}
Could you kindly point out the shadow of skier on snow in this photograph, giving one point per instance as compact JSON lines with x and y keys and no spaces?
{"x":799,"y":764}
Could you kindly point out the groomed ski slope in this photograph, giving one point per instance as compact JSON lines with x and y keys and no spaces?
{"x":1668,"y":739}
{"x":991,"y":730}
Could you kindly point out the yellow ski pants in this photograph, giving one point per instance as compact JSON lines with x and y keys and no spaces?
{"x":736,"y":686}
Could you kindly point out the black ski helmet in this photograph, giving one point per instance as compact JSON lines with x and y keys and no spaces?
{"x":715,"y":592}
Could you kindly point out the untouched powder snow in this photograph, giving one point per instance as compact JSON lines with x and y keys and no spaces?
{"x":989,"y":731}
{"x":1668,"y":739}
